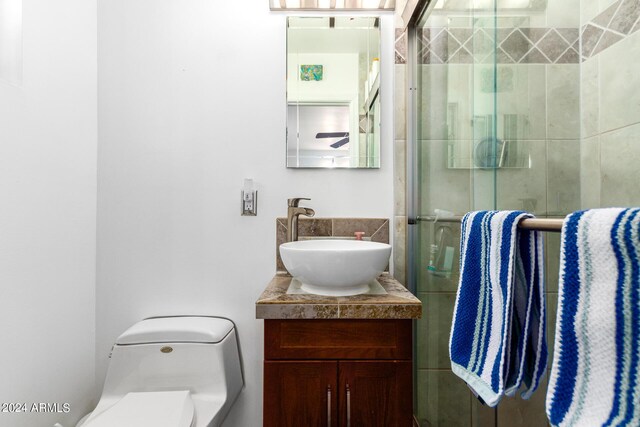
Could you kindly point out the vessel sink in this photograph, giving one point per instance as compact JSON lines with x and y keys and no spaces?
{"x":335,"y":267}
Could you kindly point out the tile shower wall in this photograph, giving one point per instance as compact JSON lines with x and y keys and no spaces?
{"x":400,"y":147}
{"x":610,"y":144}
{"x":565,"y":82}
{"x":537,"y":110}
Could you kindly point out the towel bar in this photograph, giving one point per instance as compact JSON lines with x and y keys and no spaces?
{"x":539,"y":224}
{"x":542,"y":224}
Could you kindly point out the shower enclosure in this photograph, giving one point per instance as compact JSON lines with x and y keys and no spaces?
{"x":514,"y":104}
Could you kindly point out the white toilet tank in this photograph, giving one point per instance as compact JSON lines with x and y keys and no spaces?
{"x":195,"y":355}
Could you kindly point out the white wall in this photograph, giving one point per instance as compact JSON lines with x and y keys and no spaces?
{"x":11,"y":41}
{"x":48,"y":140}
{"x":191,"y":101}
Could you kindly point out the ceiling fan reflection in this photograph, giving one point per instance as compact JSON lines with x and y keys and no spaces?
{"x":338,"y":144}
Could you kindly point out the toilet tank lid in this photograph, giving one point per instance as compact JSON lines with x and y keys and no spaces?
{"x":177,"y":329}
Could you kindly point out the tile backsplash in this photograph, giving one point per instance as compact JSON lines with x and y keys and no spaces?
{"x":375,"y":229}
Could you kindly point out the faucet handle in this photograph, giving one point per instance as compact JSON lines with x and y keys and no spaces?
{"x":295,"y":201}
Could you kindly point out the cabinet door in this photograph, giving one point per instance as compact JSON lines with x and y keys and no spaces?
{"x":375,"y":394}
{"x":300,"y":394}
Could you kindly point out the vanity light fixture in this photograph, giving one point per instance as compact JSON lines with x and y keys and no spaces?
{"x":332,"y":4}
{"x":491,"y":5}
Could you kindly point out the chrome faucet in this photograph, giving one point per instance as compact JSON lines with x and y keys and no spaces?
{"x":293,"y":211}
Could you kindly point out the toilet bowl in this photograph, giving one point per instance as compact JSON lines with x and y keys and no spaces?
{"x":171,"y":372}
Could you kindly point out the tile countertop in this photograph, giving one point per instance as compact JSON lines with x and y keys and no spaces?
{"x":398,"y":303}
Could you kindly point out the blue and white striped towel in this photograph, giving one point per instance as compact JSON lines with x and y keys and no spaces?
{"x":498,"y":337}
{"x":595,"y":379}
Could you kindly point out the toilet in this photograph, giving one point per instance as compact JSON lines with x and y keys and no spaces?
{"x":179,"y":371}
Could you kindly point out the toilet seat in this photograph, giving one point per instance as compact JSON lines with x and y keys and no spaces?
{"x":147,"y":409}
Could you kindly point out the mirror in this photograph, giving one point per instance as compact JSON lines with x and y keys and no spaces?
{"x":333,"y":92}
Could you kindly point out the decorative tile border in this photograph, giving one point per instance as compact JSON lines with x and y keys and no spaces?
{"x":524,"y":45}
{"x":515,"y":45}
{"x":401,"y":46}
{"x":614,"y":24}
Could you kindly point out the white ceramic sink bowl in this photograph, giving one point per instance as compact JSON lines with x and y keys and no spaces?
{"x":335,"y":267}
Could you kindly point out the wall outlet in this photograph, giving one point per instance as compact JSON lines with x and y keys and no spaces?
{"x":249,"y":206}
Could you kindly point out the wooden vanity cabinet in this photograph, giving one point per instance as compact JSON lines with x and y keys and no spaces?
{"x":347,"y":373}
{"x":300,"y":393}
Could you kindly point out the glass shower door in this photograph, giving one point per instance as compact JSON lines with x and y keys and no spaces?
{"x":455,"y":106}
{"x":496,"y":102}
